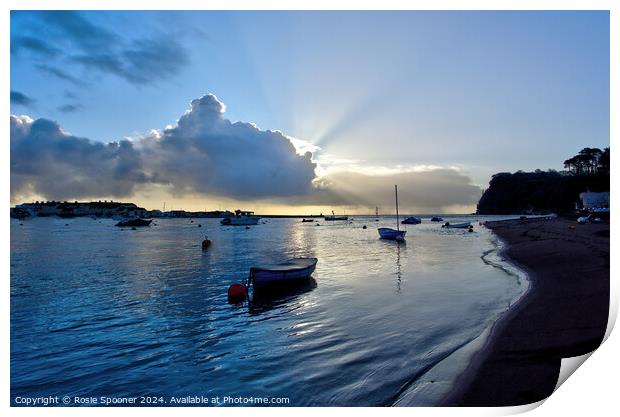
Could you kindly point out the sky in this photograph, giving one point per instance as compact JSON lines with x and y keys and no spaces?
{"x":299,"y":112}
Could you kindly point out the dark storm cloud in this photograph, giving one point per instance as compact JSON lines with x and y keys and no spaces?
{"x":21,"y":99}
{"x":71,"y":44}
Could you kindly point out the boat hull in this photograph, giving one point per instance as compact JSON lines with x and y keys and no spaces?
{"x":134,"y":223}
{"x":458,"y":225}
{"x":335,"y":218}
{"x":391,"y":234}
{"x":411,"y":220}
{"x":287,"y":273}
{"x":240,"y":221}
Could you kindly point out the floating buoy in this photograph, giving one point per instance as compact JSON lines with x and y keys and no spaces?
{"x":364,"y":227}
{"x":206,"y":243}
{"x":318,"y":224}
{"x":191,"y":221}
{"x":247,"y":227}
{"x":471,"y":229}
{"x":21,"y":224}
{"x":237,"y":293}
{"x":133,"y":228}
{"x":66,"y":224}
{"x":199,"y":225}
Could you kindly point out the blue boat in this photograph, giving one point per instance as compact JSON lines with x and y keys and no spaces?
{"x":391,"y":234}
{"x":412,"y":220}
{"x":286,"y":273}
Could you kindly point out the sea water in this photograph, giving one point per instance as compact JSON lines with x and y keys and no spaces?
{"x":99,"y":311}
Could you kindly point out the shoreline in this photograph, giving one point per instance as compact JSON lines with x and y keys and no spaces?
{"x":562,"y":313}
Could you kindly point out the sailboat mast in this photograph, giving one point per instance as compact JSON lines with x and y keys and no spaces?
{"x":396,"y":193}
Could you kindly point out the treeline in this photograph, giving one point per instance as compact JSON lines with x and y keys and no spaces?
{"x":547,"y":191}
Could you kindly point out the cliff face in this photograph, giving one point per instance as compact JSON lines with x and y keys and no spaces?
{"x":538,"y":191}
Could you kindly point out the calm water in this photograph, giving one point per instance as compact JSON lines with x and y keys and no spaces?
{"x":98,"y":310}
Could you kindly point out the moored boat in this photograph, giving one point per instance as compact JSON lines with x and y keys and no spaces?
{"x":307,"y":220}
{"x":391,"y":234}
{"x":412,"y":220}
{"x":241,"y":218}
{"x":289,"y":272}
{"x":333,"y":217}
{"x":449,"y":225}
{"x":436,"y":219}
{"x":137,"y":222}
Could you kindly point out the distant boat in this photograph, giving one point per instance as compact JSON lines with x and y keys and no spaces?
{"x":333,"y":217}
{"x":134,"y":223}
{"x":307,"y":220}
{"x":412,"y":220}
{"x":391,"y":234}
{"x":241,"y":218}
{"x":449,"y":225}
{"x":289,"y":272}
{"x":436,"y":219}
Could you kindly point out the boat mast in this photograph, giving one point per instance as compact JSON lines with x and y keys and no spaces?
{"x":396,"y":193}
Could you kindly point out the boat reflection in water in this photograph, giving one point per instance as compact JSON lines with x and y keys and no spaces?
{"x":262,"y":300}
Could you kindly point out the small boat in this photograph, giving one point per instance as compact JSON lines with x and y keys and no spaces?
{"x":289,"y":272}
{"x":241,"y":218}
{"x":307,"y":220}
{"x":412,"y":220}
{"x":137,"y":222}
{"x":391,"y":234}
{"x":333,"y":217}
{"x":449,"y":225}
{"x":436,"y":219}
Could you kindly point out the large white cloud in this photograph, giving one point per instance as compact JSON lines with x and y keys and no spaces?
{"x":207,"y":153}
{"x":203,"y":153}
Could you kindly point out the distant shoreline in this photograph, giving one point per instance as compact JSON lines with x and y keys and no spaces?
{"x":563,"y":314}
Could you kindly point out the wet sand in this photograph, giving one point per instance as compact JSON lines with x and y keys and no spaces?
{"x":563,"y":314}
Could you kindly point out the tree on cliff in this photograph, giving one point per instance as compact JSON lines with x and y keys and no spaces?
{"x":585,"y":162}
{"x":547,"y":191}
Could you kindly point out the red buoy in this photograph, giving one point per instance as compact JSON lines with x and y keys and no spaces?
{"x":237,"y":293}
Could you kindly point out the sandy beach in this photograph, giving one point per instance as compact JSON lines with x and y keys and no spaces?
{"x":564,"y":313}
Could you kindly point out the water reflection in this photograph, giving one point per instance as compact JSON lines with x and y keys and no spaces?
{"x":266,"y":300}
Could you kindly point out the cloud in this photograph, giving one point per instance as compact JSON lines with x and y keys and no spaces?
{"x":80,"y":44}
{"x":21,"y":99}
{"x":60,"y":74}
{"x":52,"y":163}
{"x":420,"y":190}
{"x":70,"y":108}
{"x":29,"y":43}
{"x":143,"y":62}
{"x":207,"y":153}
{"x":203,"y":153}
